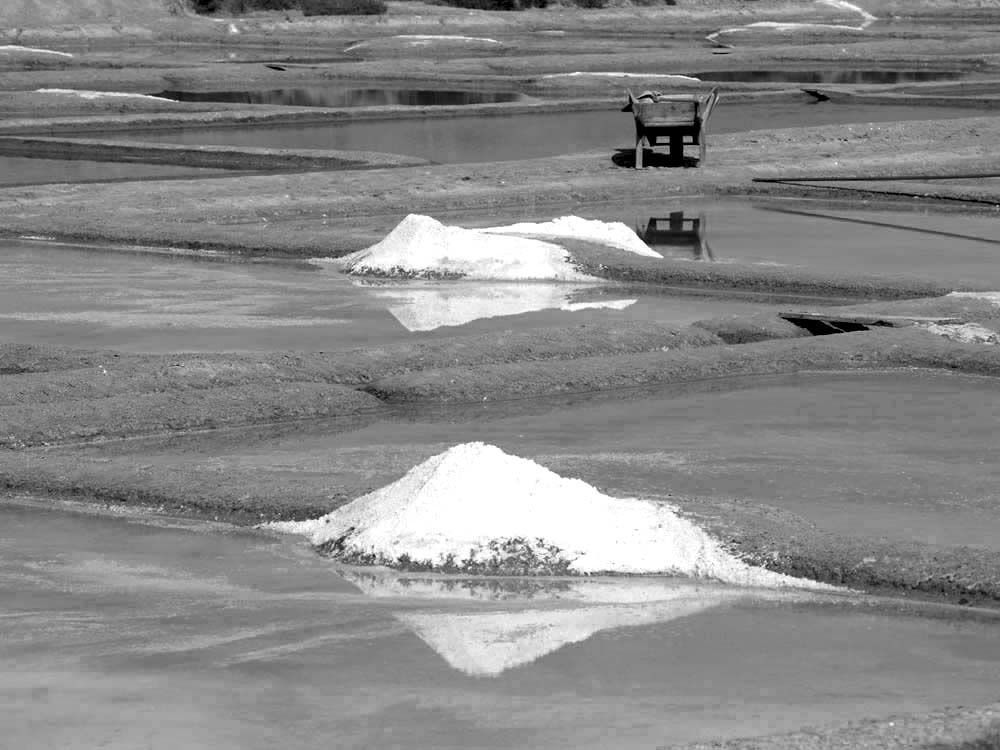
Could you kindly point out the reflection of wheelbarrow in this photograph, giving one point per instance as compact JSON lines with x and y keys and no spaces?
{"x":672,"y":116}
{"x":689,"y":233}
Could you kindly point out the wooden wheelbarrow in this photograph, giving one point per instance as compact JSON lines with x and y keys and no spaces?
{"x":671,"y":116}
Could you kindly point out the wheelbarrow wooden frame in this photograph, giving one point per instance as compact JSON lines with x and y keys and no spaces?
{"x":675,"y":117}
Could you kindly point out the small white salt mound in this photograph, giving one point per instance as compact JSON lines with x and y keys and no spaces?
{"x":423,"y":40}
{"x":965,"y":333}
{"x":612,"y":304}
{"x":618,"y":74}
{"x":447,"y":38}
{"x":98,"y":94}
{"x":8,"y":48}
{"x":422,"y":247}
{"x":426,"y":307}
{"x":610,"y":233}
{"x":844,"y":5}
{"x":780,"y":27}
{"x":993,"y":297}
{"x":468,"y":503}
{"x":785,"y":27}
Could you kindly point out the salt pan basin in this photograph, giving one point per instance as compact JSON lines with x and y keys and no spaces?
{"x":123,"y":635}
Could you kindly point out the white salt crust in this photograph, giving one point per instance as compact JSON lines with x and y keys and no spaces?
{"x":98,"y":94}
{"x":6,"y":48}
{"x":621,"y":74}
{"x":611,"y":233}
{"x":867,"y":19}
{"x":423,"y":247}
{"x":965,"y":333}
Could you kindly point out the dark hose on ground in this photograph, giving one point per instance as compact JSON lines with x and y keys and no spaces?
{"x":804,"y":182}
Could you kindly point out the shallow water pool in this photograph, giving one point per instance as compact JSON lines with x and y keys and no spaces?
{"x":506,"y":137}
{"x":86,"y":297}
{"x":121,"y":635}
{"x":18,"y":170}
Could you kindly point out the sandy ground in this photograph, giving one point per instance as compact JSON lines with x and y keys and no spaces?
{"x":98,"y":425}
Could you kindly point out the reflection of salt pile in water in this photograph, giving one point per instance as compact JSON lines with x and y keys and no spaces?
{"x":383,"y":583}
{"x":422,"y":247}
{"x":424,"y":306}
{"x":487,"y":643}
{"x":613,"y":233}
{"x":477,"y":509}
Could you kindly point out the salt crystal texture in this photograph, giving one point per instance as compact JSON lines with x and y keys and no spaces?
{"x":452,"y":506}
{"x":613,"y":233}
{"x":420,"y":246}
{"x":965,"y":333}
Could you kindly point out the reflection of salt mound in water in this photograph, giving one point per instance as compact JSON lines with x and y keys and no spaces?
{"x":421,"y":247}
{"x":474,"y":508}
{"x":613,"y":234}
{"x":424,"y":308}
{"x":381,"y":583}
{"x":486,"y":644}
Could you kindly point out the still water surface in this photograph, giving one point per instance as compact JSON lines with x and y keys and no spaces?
{"x":122,"y":635}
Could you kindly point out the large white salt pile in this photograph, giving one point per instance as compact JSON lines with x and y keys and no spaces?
{"x":476,"y":507}
{"x":422,"y":247}
{"x":610,"y":233}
